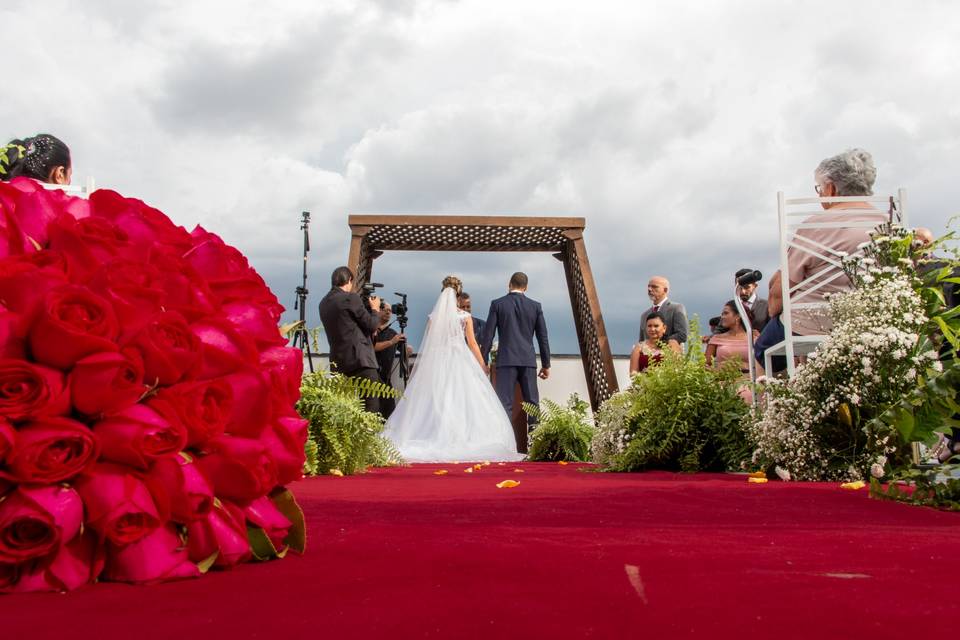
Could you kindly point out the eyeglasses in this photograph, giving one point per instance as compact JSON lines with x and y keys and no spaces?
{"x":819,"y":189}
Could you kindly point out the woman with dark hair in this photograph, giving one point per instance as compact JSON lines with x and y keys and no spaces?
{"x":650,"y":350}
{"x":42,"y":157}
{"x":732,"y":343}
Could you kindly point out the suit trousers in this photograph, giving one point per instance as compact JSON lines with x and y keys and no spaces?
{"x":368,"y":373}
{"x":507,"y":379}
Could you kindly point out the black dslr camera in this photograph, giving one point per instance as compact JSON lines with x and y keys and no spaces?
{"x":400,"y":310}
{"x":746,"y":277}
{"x":368,"y":290}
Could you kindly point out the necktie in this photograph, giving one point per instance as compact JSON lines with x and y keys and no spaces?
{"x":656,"y":308}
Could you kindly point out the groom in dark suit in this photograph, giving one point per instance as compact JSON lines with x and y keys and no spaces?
{"x":517,"y":319}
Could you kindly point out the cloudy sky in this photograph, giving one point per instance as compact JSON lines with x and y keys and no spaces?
{"x":670,"y":126}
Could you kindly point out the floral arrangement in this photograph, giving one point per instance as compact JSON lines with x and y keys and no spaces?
{"x":679,"y":414}
{"x":562,"y":432}
{"x":344,"y":438}
{"x":826,"y":422}
{"x":147,"y":421}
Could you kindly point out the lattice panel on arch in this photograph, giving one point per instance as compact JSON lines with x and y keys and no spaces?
{"x":465,"y":237}
{"x":592,"y":357}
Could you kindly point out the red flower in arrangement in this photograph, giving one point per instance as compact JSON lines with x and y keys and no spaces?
{"x":139,"y":436}
{"x":31,"y":391}
{"x":107,"y":382}
{"x":72,"y":323}
{"x":146,"y":397}
{"x":49,"y":450}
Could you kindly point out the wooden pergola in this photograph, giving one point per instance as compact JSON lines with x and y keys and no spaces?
{"x":374,"y":234}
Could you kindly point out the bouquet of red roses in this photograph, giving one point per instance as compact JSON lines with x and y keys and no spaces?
{"x":147,"y":421}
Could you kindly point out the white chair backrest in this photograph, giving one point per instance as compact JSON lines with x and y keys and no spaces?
{"x":795,"y":214}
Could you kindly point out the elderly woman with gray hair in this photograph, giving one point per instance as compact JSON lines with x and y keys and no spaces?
{"x":851,"y":173}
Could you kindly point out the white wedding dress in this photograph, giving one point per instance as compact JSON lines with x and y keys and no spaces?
{"x":449,"y":410}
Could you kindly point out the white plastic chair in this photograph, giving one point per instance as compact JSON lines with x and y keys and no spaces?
{"x":793,"y":215}
{"x":83,"y":190}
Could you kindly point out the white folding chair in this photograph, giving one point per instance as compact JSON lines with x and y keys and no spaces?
{"x":83,"y":190}
{"x":794,"y":214}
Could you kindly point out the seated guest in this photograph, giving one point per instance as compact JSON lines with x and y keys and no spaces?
{"x":673,"y":314}
{"x":851,"y":173}
{"x":755,"y":306}
{"x":42,"y":157}
{"x":650,"y":350}
{"x":732,"y":343}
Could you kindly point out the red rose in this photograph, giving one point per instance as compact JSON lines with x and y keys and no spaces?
{"x":239,"y":468}
{"x":179,"y":489}
{"x":29,"y":391}
{"x":157,"y":557}
{"x":7,"y":437}
{"x":228,"y":273}
{"x":255,"y":321}
{"x":12,"y":334}
{"x":107,"y":382}
{"x":186,"y":292}
{"x":88,"y":243}
{"x":251,"y":403}
{"x":138,"y":436}
{"x":202,"y":408}
{"x":284,"y":369}
{"x":133,"y":290}
{"x":73,"y":323}
{"x":142,"y":224}
{"x":169,"y":348}
{"x":13,"y":241}
{"x":49,"y":450}
{"x":75,"y":564}
{"x":26,"y":280}
{"x":34,"y":522}
{"x":223,"y":531}
{"x":222,"y":349}
{"x":264,"y":514}
{"x":284,"y":440}
{"x":25,"y":211}
{"x":119,"y":506}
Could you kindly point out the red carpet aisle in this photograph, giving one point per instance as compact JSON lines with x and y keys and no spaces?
{"x":404,"y":553}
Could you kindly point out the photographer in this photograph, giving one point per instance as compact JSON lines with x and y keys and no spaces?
{"x":349,"y":326}
{"x":385,"y":345}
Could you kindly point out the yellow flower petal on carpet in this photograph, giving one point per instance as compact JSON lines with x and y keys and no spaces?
{"x":478,"y":467}
{"x":486,"y":463}
{"x":336,"y":472}
{"x":468,"y":470}
{"x":757,"y":480}
{"x":440,"y":472}
{"x":508,"y":484}
{"x":561,"y":462}
{"x":757,"y":474}
{"x":518,"y":471}
{"x":853,"y":486}
{"x":500,"y":464}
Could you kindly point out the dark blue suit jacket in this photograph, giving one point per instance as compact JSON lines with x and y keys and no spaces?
{"x":516,"y":318}
{"x":478,"y":329}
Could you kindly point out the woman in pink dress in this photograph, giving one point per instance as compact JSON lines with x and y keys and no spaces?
{"x":731,"y":345}
{"x":650,"y":350}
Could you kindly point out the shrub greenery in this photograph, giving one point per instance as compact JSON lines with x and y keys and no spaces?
{"x":679,"y":414}
{"x":343,"y":436}
{"x":562,"y":433}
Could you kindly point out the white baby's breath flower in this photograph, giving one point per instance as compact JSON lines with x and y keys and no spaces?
{"x":782,"y":473}
{"x":876,"y":470}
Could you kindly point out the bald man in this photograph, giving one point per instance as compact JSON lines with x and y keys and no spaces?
{"x":674,"y":315}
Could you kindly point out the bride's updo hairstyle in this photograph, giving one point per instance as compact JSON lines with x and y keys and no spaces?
{"x":454,"y":283}
{"x":35,"y":157}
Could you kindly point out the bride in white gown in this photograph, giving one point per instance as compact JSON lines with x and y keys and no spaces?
{"x":449,"y":410}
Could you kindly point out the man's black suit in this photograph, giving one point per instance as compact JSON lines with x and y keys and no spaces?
{"x":517,"y":319}
{"x":349,"y":328}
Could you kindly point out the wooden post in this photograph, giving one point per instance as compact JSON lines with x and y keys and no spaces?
{"x":358,"y":260}
{"x":591,"y":333}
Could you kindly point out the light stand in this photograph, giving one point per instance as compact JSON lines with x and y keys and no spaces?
{"x":301,"y":338}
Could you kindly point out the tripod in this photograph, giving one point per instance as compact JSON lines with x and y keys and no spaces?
{"x":402,"y":347}
{"x":301,"y":338}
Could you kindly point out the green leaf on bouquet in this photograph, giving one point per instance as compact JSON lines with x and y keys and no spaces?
{"x":206,"y":564}
{"x":261,"y":545}
{"x":287,"y":504}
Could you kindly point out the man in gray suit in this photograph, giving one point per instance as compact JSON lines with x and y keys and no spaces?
{"x":674,"y":315}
